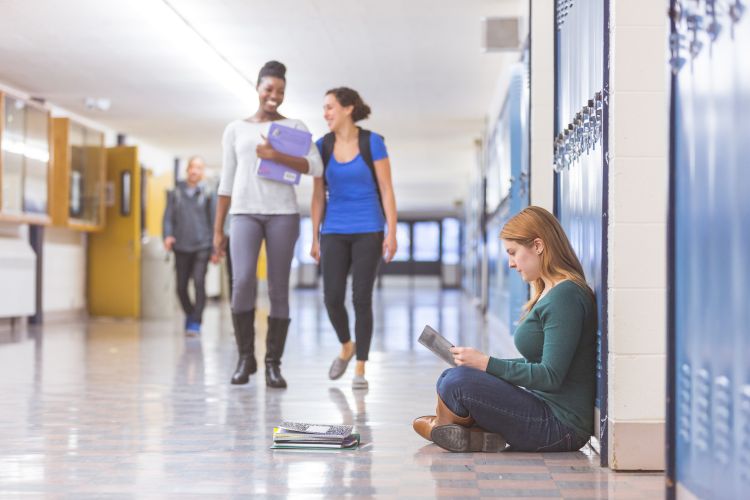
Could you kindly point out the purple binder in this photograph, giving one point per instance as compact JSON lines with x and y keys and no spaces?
{"x":290,"y":141}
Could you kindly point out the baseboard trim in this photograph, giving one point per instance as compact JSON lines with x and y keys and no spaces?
{"x":68,"y":316}
{"x":637,"y":446}
{"x":9,"y":325}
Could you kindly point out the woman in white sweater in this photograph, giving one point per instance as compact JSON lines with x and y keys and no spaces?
{"x":262,"y":209}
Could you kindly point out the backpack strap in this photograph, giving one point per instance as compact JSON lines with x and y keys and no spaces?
{"x":366,"y":152}
{"x":326,"y":152}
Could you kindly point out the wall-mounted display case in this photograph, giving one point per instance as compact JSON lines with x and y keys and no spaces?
{"x":25,"y":161}
{"x":78,"y":176}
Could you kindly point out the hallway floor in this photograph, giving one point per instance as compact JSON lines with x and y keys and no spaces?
{"x":134,"y":409}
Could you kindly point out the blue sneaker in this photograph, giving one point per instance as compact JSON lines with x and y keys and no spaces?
{"x":193,"y":328}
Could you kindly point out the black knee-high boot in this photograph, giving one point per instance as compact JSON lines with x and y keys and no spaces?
{"x":275,"y":341}
{"x":244,"y":334}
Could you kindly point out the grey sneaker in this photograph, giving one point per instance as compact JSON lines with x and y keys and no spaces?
{"x":338,"y":367}
{"x":359,"y":382}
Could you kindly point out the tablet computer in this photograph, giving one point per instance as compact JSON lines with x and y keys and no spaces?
{"x":438,"y":344}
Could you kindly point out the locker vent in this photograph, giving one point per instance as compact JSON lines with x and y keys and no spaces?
{"x":702,"y":433}
{"x":563,"y":9}
{"x":685,"y":391}
{"x":722,"y":420}
{"x":500,"y":34}
{"x":744,"y":437}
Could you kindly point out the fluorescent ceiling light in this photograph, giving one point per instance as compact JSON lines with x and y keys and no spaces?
{"x":175,"y":28}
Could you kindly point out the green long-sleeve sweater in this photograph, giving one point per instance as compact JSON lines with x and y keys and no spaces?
{"x":557,"y":339}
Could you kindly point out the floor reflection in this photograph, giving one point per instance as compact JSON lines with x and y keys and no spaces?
{"x":135,"y":409}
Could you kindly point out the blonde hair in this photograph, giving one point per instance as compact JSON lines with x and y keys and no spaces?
{"x":559,"y":260}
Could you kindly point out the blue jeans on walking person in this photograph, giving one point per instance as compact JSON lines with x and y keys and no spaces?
{"x":523,"y":419}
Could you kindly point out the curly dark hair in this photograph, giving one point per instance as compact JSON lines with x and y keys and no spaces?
{"x":274,"y":69}
{"x":350,"y":97}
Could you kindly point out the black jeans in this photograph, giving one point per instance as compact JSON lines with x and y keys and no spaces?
{"x":192,"y":265}
{"x":362,"y":254}
{"x":524,"y":420}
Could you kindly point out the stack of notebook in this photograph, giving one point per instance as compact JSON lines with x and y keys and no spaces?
{"x":295,"y":435}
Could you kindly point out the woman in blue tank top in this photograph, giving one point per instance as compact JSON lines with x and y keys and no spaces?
{"x":348,"y":223}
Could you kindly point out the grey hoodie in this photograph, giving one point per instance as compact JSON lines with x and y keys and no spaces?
{"x":189,"y":218}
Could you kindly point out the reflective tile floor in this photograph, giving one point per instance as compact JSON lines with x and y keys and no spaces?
{"x":126,"y":409}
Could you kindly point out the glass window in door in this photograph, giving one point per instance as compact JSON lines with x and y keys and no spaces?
{"x":13,"y":149}
{"x":37,"y":161}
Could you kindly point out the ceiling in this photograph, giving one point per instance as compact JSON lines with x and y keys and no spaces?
{"x":416,"y":62}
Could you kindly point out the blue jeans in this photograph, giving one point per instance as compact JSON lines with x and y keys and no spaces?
{"x":524,"y":420}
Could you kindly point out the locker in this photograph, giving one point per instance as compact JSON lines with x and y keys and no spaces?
{"x":708,"y":411}
{"x":508,"y":164}
{"x":581,"y":48}
{"x":518,"y":290}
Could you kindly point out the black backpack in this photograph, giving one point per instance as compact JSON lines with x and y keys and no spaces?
{"x":364,"y":149}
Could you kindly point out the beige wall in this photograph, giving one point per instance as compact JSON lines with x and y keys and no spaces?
{"x":638,"y":197}
{"x":542,"y":103}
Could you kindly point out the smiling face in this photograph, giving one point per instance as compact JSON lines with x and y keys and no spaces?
{"x":334,"y":113}
{"x":526,"y":260}
{"x":271,"y":94}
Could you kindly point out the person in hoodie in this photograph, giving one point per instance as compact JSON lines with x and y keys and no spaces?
{"x":188,"y":232}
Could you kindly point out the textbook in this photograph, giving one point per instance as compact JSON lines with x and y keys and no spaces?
{"x":294,"y":435}
{"x":287,"y":140}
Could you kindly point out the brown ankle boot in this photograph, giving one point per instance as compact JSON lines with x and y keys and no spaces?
{"x":424,"y":425}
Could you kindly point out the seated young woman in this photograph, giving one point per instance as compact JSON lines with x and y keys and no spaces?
{"x":545,"y":400}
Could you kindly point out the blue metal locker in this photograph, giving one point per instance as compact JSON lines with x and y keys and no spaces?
{"x":518,"y":290}
{"x":581,"y":81}
{"x":709,"y":245}
{"x":508,"y":161}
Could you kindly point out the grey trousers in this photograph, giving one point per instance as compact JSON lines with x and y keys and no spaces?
{"x":247,"y":232}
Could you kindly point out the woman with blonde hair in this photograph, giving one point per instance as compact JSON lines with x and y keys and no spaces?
{"x":545,"y":400}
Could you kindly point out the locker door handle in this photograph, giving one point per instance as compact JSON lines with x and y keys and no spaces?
{"x":581,"y":135}
{"x":714,"y":27}
{"x":524,"y":179}
{"x":736,"y":11}
{"x":692,"y":26}
{"x":676,"y":61}
{"x":695,"y":26}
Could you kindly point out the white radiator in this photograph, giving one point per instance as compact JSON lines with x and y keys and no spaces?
{"x":17,"y":278}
